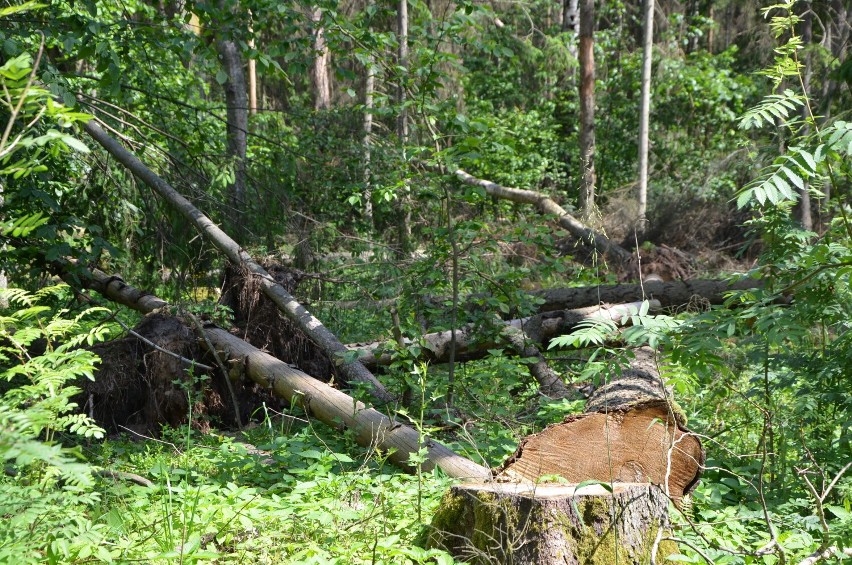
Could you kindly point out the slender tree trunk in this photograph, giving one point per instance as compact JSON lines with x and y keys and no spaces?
{"x":403,"y":204}
{"x":252,"y":77}
{"x":570,"y":16}
{"x":645,"y":111}
{"x":587,"y":107}
{"x":322,"y":80}
{"x":804,"y":207}
{"x":711,"y":35}
{"x":236,"y":101}
{"x":369,"y":89}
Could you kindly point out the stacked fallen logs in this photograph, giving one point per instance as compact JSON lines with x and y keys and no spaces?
{"x":632,"y":442}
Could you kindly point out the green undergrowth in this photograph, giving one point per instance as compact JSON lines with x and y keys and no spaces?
{"x":308,"y":498}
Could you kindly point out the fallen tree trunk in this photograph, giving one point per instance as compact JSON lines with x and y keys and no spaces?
{"x":546,"y":205}
{"x":550,"y":524}
{"x":327,"y":404}
{"x":632,"y":431}
{"x":288,"y":305}
{"x":673,"y":294}
{"x":537,"y":329}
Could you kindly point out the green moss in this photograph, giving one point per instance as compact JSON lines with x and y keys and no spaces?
{"x":450,"y":513}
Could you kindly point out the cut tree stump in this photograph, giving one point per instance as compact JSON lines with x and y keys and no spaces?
{"x":632,"y":431}
{"x":548,"y":524}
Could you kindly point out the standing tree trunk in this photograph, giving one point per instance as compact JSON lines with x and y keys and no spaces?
{"x":322,"y":56}
{"x":252,"y":75}
{"x":570,"y":19}
{"x":369,"y":89}
{"x":402,"y":203}
{"x":236,"y":101}
{"x":645,"y":111}
{"x":804,"y":207}
{"x":587,"y":107}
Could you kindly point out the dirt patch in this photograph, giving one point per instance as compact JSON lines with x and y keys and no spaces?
{"x":139,"y":388}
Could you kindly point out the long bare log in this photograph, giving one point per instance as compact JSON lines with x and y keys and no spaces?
{"x":288,"y":305}
{"x":546,"y":205}
{"x":327,"y":404}
{"x":536,"y":328}
{"x":672,"y":294}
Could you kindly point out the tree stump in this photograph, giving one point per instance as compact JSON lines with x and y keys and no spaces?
{"x":528,"y":524}
{"x":632,"y":432}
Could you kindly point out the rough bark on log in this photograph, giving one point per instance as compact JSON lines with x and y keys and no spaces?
{"x":551,"y":524}
{"x":546,"y":205}
{"x":320,"y":400}
{"x":632,"y":431}
{"x":672,"y":294}
{"x":537,"y":328}
{"x":288,"y":305}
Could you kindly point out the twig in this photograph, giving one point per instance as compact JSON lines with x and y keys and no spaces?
{"x":121,"y":475}
{"x":125,"y":428}
{"x":221,"y":365}
{"x":691,"y":546}
{"x":824,"y":550}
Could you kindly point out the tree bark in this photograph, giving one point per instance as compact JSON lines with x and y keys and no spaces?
{"x":327,"y":404}
{"x":252,"y":75}
{"x":645,"y":112}
{"x":236,"y":101}
{"x":288,"y":305}
{"x":550,"y":524}
{"x":322,"y":57}
{"x":369,"y":89}
{"x":546,"y":205}
{"x":804,"y":205}
{"x":587,"y":107}
{"x":672,"y":294}
{"x":536,"y":329}
{"x":403,"y":203}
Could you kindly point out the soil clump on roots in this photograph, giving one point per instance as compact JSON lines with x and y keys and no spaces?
{"x":139,"y":388}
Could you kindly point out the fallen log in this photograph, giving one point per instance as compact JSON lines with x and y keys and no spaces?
{"x":672,"y":294}
{"x":546,"y":205}
{"x":289,"y":306}
{"x":632,"y":431}
{"x":536,"y":329}
{"x":552,"y":524}
{"x":327,"y":404}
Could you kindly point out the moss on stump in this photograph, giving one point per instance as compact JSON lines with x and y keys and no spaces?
{"x":542,"y":524}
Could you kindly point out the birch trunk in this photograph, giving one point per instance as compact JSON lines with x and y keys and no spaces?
{"x":645,"y":112}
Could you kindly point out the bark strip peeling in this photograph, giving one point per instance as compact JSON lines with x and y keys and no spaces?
{"x":288,"y":305}
{"x":327,"y":404}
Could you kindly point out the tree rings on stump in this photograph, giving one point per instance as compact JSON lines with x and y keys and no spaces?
{"x":632,"y":432}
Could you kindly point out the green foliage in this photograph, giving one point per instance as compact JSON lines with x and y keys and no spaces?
{"x":39,"y":404}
